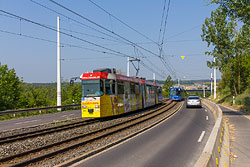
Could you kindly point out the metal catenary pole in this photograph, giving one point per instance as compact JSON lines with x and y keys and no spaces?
{"x":211,"y":89}
{"x":59,"y":92}
{"x":128,"y":67}
{"x":214,"y":80}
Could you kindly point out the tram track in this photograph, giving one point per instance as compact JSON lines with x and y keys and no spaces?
{"x":45,"y":131}
{"x":22,"y":136}
{"x":50,"y":150}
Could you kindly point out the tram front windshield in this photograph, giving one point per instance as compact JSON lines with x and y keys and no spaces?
{"x":92,"y":88}
{"x":175,"y":92}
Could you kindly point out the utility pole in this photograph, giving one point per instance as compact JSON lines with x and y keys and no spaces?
{"x":204,"y":93}
{"x":237,"y":55}
{"x":154,"y":77}
{"x":214,"y":80}
{"x":211,"y":89}
{"x":128,"y":67}
{"x":59,"y":92}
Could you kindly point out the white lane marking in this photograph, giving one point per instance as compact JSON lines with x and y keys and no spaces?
{"x":28,"y":121}
{"x":71,"y":114}
{"x":206,"y":110}
{"x":64,"y":115}
{"x":207,"y":118}
{"x":201,"y":136}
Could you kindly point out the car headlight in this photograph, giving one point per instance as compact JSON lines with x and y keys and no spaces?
{"x":97,"y":106}
{"x":84,"y":106}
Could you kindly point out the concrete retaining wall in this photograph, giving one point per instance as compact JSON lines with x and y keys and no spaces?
{"x":215,"y":152}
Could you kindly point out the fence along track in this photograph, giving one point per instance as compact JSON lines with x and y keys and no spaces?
{"x":22,"y":136}
{"x":59,"y":147}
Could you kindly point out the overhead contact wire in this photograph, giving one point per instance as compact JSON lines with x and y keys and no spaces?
{"x":44,"y":26}
{"x":52,"y":10}
{"x":122,"y":22}
{"x":134,"y":44}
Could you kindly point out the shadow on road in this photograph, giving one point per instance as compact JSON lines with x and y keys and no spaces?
{"x":230,"y":112}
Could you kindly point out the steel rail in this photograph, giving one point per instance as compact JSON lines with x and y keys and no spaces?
{"x":22,"y":136}
{"x":72,"y":139}
{"x":89,"y":154}
{"x":25,"y":135}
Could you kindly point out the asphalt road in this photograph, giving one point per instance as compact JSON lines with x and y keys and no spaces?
{"x":36,"y":120}
{"x":176,"y":142}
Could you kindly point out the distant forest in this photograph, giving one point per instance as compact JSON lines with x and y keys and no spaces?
{"x":161,"y":82}
{"x":185,"y":82}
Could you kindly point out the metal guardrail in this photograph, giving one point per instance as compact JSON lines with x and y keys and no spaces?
{"x":41,"y":108}
{"x":36,"y":109}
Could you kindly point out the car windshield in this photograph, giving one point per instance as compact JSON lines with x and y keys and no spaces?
{"x":194,"y":97}
{"x":92,"y":88}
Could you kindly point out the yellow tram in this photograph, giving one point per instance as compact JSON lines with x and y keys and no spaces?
{"x":105,"y":93}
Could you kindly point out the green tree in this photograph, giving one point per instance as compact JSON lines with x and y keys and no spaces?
{"x":229,"y":46}
{"x":32,"y":96}
{"x":10,"y":88}
{"x":240,"y":10}
{"x":167,"y":84}
{"x":237,"y":8}
{"x":71,"y":94}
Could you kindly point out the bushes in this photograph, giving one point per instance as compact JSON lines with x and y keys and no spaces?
{"x":10,"y":88}
{"x":243,"y":99}
{"x":14,"y":94}
{"x":42,"y":95}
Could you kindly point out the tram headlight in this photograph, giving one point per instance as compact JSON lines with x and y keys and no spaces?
{"x":84,"y":106}
{"x":97,"y":106}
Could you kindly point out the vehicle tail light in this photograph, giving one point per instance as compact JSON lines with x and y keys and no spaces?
{"x":198,"y":101}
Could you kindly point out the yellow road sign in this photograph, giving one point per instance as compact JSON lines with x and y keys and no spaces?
{"x":182,"y":57}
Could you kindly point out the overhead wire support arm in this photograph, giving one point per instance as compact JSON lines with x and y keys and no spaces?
{"x":150,"y":69}
{"x":136,"y":68}
{"x":73,"y":79}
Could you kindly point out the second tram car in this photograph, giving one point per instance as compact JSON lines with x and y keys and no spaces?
{"x":176,"y":93}
{"x":105,"y":93}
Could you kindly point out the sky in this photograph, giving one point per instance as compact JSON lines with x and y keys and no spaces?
{"x":92,"y":39}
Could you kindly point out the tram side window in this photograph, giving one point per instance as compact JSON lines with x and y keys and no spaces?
{"x":148,"y":90}
{"x":100,"y":93}
{"x":110,"y":87}
{"x":120,"y":87}
{"x":132,"y":88}
{"x":126,"y":89}
{"x":151,"y":91}
{"x":159,"y":91}
{"x":137,"y":89}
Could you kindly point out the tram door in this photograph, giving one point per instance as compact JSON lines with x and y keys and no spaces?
{"x":156,"y":94}
{"x":143,"y":95}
